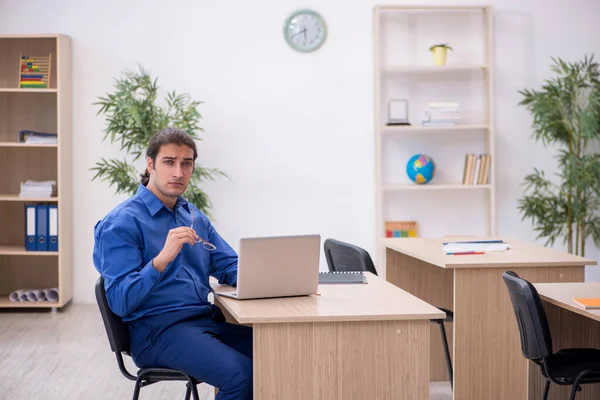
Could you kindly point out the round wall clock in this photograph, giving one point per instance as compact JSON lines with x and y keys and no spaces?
{"x":305,"y":30}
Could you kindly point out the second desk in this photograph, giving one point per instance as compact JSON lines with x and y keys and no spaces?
{"x":487,"y":358}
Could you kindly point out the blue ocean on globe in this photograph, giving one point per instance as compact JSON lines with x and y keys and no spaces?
{"x":420,"y":168}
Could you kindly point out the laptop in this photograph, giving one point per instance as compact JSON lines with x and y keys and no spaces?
{"x":279,"y":266}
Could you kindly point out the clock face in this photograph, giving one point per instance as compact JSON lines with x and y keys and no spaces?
{"x":305,"y":30}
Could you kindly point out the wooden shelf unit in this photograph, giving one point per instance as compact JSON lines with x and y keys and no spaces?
{"x":43,"y":110}
{"x":404,"y":69}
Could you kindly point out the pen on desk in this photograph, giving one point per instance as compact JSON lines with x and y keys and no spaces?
{"x":464,"y":253}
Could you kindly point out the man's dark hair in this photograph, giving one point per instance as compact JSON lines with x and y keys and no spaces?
{"x":167,"y":136}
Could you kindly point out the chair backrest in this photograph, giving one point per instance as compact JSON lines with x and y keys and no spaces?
{"x":536,"y":342}
{"x":346,"y":257}
{"x":118,"y":335}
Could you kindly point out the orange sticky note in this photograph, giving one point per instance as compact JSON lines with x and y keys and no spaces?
{"x":587,"y":302}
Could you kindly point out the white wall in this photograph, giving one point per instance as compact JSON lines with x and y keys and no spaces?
{"x":293,"y":131}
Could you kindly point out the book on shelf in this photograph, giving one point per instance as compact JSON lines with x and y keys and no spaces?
{"x":33,"y":137}
{"x":476,"y":169}
{"x":441,"y":114}
{"x":42,"y":189}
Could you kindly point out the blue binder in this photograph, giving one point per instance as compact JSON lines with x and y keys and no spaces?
{"x":30,"y":228}
{"x":42,"y":228}
{"x":53,"y":228}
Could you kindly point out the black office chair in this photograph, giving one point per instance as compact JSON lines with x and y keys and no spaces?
{"x":565,"y":367}
{"x":118,"y":337}
{"x":347,"y":257}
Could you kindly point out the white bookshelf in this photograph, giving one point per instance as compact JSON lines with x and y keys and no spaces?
{"x":404,"y":69}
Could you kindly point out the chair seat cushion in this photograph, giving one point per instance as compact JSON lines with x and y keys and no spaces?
{"x":162,"y":374}
{"x":567,"y":364}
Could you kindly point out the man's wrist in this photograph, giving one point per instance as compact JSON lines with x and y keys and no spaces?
{"x":158,"y":264}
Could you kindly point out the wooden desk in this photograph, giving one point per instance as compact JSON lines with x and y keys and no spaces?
{"x":351,"y":342}
{"x":485,"y":344}
{"x":570,"y":326}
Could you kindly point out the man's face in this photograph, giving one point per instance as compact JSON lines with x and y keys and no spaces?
{"x":171,"y":172}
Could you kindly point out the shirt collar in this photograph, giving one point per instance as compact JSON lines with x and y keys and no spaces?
{"x":154,"y":204}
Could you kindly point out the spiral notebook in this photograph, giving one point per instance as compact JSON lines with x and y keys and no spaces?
{"x":341,"y":277}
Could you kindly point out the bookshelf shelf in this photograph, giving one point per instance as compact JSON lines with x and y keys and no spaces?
{"x":462,"y":91}
{"x":27,"y":90}
{"x":419,"y":128}
{"x":41,"y":110}
{"x":16,"y":197}
{"x":15,"y":144}
{"x":6,"y":303}
{"x":6,"y":250}
{"x":457,"y":186}
{"x":431,"y":69}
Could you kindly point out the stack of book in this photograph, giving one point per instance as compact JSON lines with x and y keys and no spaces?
{"x":37,"y":189}
{"x":441,"y":114}
{"x":477,"y":169}
{"x":33,"y":137}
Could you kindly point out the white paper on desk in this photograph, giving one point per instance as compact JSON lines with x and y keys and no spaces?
{"x":465,"y":247}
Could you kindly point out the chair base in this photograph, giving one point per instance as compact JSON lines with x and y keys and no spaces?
{"x":150,"y":376}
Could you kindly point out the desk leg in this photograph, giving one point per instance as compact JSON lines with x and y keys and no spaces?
{"x":433,"y":285}
{"x":488,"y":361}
{"x":384,"y":360}
{"x":569,"y":330}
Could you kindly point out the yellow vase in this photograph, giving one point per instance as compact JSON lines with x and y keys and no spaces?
{"x":439,"y":55}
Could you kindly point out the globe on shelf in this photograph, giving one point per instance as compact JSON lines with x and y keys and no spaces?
{"x":420,"y":168}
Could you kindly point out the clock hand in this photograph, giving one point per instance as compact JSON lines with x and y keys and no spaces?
{"x":302,"y":31}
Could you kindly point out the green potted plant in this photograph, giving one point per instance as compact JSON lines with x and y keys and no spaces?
{"x":566,"y":115}
{"x":439,"y":52}
{"x":133,"y":114}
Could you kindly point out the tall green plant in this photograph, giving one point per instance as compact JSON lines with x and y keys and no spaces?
{"x":133,"y":115}
{"x":566,"y":114}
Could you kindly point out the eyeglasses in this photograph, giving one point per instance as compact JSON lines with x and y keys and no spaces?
{"x":206,"y":244}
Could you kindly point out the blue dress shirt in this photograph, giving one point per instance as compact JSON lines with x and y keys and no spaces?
{"x":133,"y":233}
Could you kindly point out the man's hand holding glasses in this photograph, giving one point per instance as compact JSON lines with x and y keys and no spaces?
{"x":175,"y":240}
